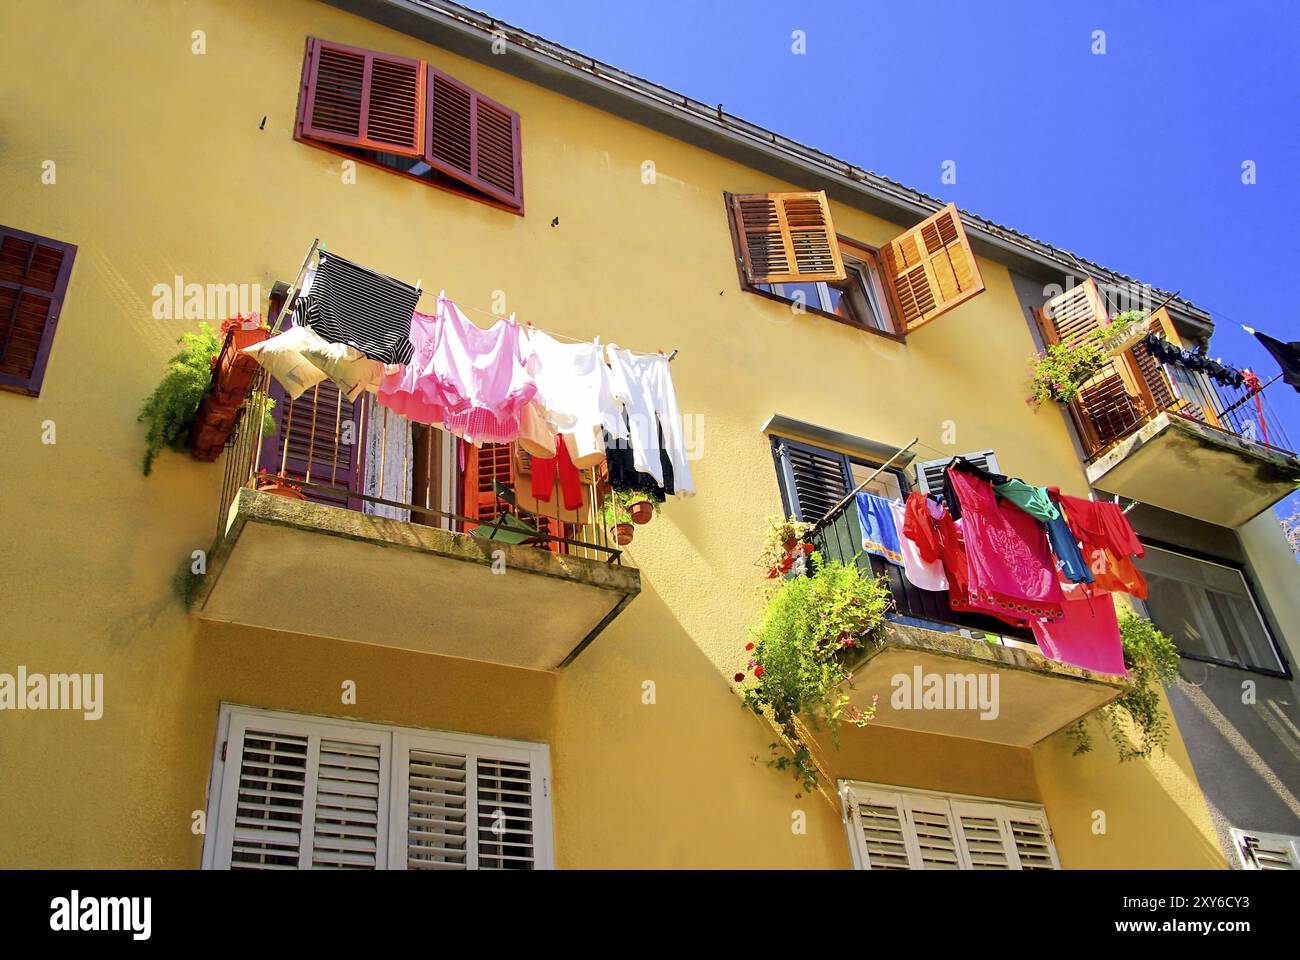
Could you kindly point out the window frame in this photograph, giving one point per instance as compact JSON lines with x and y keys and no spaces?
{"x":538,"y":754}
{"x":1269,"y":633}
{"x":855,"y":249}
{"x":31,"y":385}
{"x":957,"y":804}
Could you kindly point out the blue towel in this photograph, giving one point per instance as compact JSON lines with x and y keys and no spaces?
{"x":1067,"y":551}
{"x":879,"y":531}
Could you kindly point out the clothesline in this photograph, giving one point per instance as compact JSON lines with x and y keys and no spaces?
{"x":558,"y":336}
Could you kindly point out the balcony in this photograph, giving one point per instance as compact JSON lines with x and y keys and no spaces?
{"x":1176,"y":439}
{"x":1036,"y":697}
{"x":301,"y":550}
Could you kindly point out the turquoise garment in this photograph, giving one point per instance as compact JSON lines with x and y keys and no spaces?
{"x":1033,"y":500}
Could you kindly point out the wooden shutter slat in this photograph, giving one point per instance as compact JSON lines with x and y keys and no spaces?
{"x":786,"y":238}
{"x":317,"y":442}
{"x":362,"y":98}
{"x":473,"y":139}
{"x":931,"y":269}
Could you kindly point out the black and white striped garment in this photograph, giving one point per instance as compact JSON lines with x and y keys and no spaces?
{"x":348,"y":303}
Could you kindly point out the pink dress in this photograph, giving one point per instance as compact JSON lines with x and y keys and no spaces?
{"x":471,"y":381}
{"x":1009,"y":564}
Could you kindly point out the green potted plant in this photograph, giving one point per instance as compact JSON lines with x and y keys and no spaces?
{"x":800,"y":657}
{"x":617,"y":517}
{"x":1063,"y":368}
{"x":171,"y":408}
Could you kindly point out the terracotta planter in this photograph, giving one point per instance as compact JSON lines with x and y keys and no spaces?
{"x":642,"y":511}
{"x":233,"y":372}
{"x":280,"y":488}
{"x":790,"y":544}
{"x":622,"y":533}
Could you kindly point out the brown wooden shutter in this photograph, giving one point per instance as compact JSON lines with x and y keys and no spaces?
{"x":34,"y":274}
{"x":786,"y":237}
{"x":484,"y":467}
{"x":931,"y":269}
{"x":473,"y":139}
{"x":362,"y":98}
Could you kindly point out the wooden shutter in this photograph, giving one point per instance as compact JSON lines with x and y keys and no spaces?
{"x":813,"y":480}
{"x":361,"y":98}
{"x":929,"y":473}
{"x":1032,"y":839}
{"x":486,"y":466}
{"x":463,"y":804}
{"x":1267,"y":851}
{"x":34,"y":274}
{"x":878,"y":829}
{"x":930,"y":268}
{"x":473,"y":139}
{"x":932,"y":835}
{"x":300,"y":794}
{"x":318,"y":426}
{"x":786,"y":237}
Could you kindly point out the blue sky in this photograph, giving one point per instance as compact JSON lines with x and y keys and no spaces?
{"x":1132,"y":158}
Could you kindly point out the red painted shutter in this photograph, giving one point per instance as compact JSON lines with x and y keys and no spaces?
{"x":318,"y":425}
{"x":362,"y":98}
{"x":473,"y":139}
{"x":484,"y":466}
{"x":34,"y":274}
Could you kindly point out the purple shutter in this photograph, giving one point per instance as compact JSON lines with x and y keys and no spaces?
{"x":473,"y":139}
{"x":34,"y":274}
{"x":362,"y":98}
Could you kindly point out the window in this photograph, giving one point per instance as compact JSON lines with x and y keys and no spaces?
{"x":34,"y":274}
{"x":786,"y":248}
{"x":1266,"y":851}
{"x":893,"y":829}
{"x":858,"y":299}
{"x":291,"y":791}
{"x":1208,"y":609}
{"x":409,"y":117}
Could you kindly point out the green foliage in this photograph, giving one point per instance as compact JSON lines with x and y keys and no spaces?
{"x":1135,"y":722}
{"x":171,"y":408}
{"x":778,"y":532}
{"x":614,"y":510}
{"x":800,"y":653}
{"x":1061,"y":369}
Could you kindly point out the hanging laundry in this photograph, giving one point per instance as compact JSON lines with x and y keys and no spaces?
{"x":643,"y":385}
{"x":1009,"y":564}
{"x":546,"y":471}
{"x":921,"y":573}
{"x":1037,"y":502}
{"x":368,"y":311}
{"x":573,"y":398}
{"x":300,"y":358}
{"x":1109,"y":543}
{"x":1086,"y":635}
{"x":412,"y":389}
{"x":625,"y":477}
{"x":950,"y":499}
{"x":880,"y":533}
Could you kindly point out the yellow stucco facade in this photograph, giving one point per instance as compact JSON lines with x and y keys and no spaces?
{"x":163,"y":169}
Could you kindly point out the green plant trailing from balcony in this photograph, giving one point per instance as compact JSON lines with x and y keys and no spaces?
{"x":172,"y":407}
{"x":781,"y":544}
{"x":1136,"y":721}
{"x":799,"y":656}
{"x":1061,"y":369}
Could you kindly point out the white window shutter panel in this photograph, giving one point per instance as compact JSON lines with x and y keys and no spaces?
{"x":431,"y":803}
{"x":929,"y":473}
{"x":985,"y":836}
{"x":263,"y":794}
{"x":879,"y":830}
{"x":350,"y":813}
{"x":935,"y":842}
{"x":1267,"y":851}
{"x":1032,"y":838}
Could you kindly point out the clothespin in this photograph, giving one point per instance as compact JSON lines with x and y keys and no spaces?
{"x":672,"y":355}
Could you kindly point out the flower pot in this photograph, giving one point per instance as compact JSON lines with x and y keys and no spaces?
{"x":622,"y":533}
{"x":280,"y":488}
{"x":789,"y":544}
{"x":642,"y":511}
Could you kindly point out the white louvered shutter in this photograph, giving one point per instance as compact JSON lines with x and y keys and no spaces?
{"x":1032,"y":838}
{"x":934,"y":840}
{"x":299,"y":794}
{"x":465,"y":805}
{"x":929,"y":473}
{"x":1267,"y":851}
{"x":878,"y":827}
{"x":985,"y":836}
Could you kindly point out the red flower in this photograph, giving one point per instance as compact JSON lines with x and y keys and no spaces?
{"x":749,"y":646}
{"x":758,"y":671}
{"x":740,"y":678}
{"x":807,"y":548}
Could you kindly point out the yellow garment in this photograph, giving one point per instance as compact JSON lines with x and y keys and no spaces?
{"x":300,"y":358}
